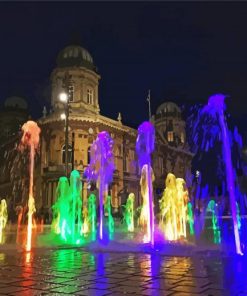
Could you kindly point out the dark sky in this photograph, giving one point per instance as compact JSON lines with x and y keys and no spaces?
{"x":183,"y":52}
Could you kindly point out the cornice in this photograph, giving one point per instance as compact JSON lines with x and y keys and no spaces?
{"x":114,"y":124}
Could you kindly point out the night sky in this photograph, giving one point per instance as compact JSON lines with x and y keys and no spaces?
{"x":183,"y":52}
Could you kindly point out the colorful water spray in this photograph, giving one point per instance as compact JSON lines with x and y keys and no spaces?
{"x":62,"y":209}
{"x":30,"y":139}
{"x":238,"y":216}
{"x":191,"y":218}
{"x":101,"y":169}
{"x":181,"y":207}
{"x":144,"y":149}
{"x":168,"y":208}
{"x":92,"y":214}
{"x":174,"y":209}
{"x":212,"y":209}
{"x":215,"y":109}
{"x":129,"y":212}
{"x":3,"y":217}
{"x":85,"y":224}
{"x":107,"y":210}
{"x":75,"y":191}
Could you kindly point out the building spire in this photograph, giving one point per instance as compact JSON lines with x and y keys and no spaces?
{"x":119,"y":118}
{"x":149,"y":104}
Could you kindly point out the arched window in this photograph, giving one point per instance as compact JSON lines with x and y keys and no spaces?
{"x":69,"y":154}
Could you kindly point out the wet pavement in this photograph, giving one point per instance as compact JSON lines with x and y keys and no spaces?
{"x":76,"y":272}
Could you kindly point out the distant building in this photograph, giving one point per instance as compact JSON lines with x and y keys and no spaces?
{"x":77,"y":74}
{"x":13,"y":114}
{"x":172,"y":151}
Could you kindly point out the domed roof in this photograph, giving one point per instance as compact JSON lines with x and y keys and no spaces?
{"x":16,"y":102}
{"x":168,"y":107}
{"x":75,"y":55}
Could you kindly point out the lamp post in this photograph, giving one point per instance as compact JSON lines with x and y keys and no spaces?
{"x":63,"y":97}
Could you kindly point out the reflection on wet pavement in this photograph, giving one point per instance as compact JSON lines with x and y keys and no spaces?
{"x":76,"y":272}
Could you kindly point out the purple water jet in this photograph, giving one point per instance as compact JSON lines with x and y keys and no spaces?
{"x":144,"y":149}
{"x":101,"y":169}
{"x":215,"y":108}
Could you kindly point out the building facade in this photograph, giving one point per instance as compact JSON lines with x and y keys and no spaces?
{"x":77,"y":75}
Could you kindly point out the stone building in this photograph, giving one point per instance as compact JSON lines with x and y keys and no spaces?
{"x":77,"y":75}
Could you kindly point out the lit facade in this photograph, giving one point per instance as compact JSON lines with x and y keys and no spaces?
{"x":77,"y":75}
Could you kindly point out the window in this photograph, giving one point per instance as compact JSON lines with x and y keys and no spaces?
{"x":88,"y":155}
{"x":170,"y":137}
{"x":71,"y":92}
{"x":182,"y":138}
{"x":161,"y":165}
{"x":119,"y":148}
{"x":90,"y":96}
{"x":69,"y":154}
{"x":126,"y":163}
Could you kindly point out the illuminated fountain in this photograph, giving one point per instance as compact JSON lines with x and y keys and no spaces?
{"x":191,"y":218}
{"x":144,"y":149}
{"x":174,"y":209}
{"x":92,"y":214}
{"x":30,"y":139}
{"x":85,"y":223}
{"x":168,"y":208}
{"x":182,"y":208}
{"x":75,"y":192}
{"x":212,"y":210}
{"x":3,"y":218}
{"x":75,"y":219}
{"x":215,"y":109}
{"x":209,"y":133}
{"x":107,"y":211}
{"x":101,"y":169}
{"x":62,"y":209}
{"x":129,"y":212}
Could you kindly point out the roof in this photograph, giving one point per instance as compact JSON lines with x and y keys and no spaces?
{"x":75,"y":56}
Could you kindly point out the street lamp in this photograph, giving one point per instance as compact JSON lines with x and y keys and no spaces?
{"x":63,"y":97}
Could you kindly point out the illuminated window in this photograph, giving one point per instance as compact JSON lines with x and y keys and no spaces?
{"x":69,"y":154}
{"x":90,"y":96}
{"x":71,"y":92}
{"x":170,"y":137}
{"x":182,"y":138}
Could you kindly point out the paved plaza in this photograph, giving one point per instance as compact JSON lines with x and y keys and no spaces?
{"x":76,"y":272}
